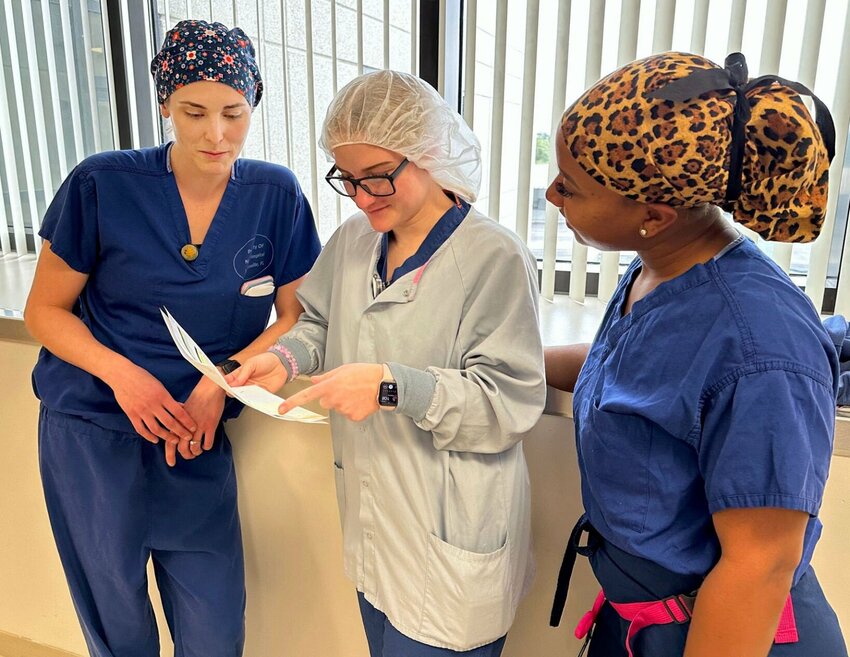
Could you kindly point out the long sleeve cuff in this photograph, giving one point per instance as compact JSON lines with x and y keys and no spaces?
{"x":415,"y":390}
{"x":299,"y":353}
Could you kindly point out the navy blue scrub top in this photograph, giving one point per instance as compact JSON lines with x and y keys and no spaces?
{"x":716,"y":391}
{"x":119,"y":218}
{"x":438,"y":234}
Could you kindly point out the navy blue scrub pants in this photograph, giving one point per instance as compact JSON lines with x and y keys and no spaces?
{"x":113,"y":504}
{"x":386,"y":641}
{"x":626,"y":578}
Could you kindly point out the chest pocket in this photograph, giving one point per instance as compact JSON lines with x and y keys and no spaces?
{"x":616,"y":449}
{"x":250,"y":318}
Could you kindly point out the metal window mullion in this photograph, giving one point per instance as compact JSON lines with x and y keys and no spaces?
{"x":89,"y":68}
{"x":287,"y":124}
{"x":38,"y":109}
{"x":699,"y":26}
{"x":662,"y":32}
{"x":264,"y":110}
{"x":735,"y":41}
{"x":497,"y":115}
{"x":110,"y":78}
{"x":609,"y":268}
{"x":841,"y":116}
{"x":819,"y":254}
{"x":771,"y":53}
{"x":311,"y":106}
{"x":526,"y":148}
{"x":359,"y":37}
{"x":166,"y":16}
{"x":53,"y":77}
{"x":469,"y":72}
{"x":71,"y":72}
{"x":23,"y":130}
{"x":189,"y":13}
{"x":592,"y":72}
{"x":386,"y":34}
{"x":10,"y":164}
{"x":559,"y":95}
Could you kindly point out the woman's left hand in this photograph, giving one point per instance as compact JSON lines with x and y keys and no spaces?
{"x":350,"y":390}
{"x":205,"y":405}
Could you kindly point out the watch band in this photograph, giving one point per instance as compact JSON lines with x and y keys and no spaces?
{"x":227,"y":366}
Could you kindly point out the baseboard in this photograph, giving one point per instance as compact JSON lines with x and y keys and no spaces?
{"x":12,"y":645}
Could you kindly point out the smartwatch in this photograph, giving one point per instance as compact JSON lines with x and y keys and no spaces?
{"x":227,"y":366}
{"x":388,"y":391}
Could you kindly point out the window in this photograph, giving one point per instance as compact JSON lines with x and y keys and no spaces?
{"x":55,"y":107}
{"x":58,"y":102}
{"x":572,"y":44}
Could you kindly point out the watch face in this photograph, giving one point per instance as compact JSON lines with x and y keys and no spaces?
{"x":388,"y":395}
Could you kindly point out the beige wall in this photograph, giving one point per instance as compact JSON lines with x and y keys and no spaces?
{"x":299,"y":602}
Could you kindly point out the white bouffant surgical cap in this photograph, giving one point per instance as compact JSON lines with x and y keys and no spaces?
{"x":404,"y":114}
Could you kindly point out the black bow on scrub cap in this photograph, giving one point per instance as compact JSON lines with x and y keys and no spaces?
{"x":734,"y":76}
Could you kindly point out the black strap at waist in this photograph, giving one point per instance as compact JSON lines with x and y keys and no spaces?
{"x":574,"y":548}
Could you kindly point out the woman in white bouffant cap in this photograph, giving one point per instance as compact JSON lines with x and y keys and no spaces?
{"x":413,"y":313}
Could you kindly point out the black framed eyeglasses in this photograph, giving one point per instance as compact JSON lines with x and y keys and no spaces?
{"x":380,"y":185}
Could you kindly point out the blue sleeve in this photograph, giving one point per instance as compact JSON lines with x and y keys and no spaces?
{"x":767,"y":440}
{"x":70,"y":223}
{"x":304,"y":245}
{"x":838,"y":330}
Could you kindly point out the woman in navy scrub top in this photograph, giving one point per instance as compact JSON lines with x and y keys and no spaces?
{"x":705,"y":407}
{"x":219,"y":242}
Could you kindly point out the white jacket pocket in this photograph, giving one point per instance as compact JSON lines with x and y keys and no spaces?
{"x":467,"y":595}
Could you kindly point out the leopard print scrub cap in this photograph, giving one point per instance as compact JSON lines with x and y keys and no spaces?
{"x":676,"y":128}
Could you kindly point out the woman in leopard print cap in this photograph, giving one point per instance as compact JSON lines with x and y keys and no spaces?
{"x":704,"y":409}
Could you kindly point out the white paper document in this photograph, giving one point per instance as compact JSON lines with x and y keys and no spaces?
{"x":254,"y":396}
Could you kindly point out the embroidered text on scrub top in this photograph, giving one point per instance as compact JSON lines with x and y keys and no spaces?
{"x":255,"y":256}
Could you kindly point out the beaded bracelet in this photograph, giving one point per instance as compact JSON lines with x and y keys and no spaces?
{"x":283,"y":351}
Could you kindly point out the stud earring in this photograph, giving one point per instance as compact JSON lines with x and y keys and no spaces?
{"x":642,"y":232}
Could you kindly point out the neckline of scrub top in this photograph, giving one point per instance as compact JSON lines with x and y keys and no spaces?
{"x":168,"y":148}
{"x":180,"y":219}
{"x":699,"y":274}
{"x":438,"y":234}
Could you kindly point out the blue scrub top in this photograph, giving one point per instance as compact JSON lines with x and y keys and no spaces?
{"x":119,"y":218}
{"x":716,"y":391}
{"x":439,"y":233}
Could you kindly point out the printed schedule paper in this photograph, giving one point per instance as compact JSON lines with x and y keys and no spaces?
{"x":254,"y":396}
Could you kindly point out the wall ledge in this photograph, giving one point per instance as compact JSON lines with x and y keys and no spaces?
{"x":12,"y":645}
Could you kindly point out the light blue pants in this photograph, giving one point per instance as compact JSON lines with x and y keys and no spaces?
{"x":113,"y":504}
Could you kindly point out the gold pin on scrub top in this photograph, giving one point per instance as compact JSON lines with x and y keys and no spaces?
{"x":189,"y":252}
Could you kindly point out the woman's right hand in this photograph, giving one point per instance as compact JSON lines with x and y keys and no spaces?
{"x":264,"y":370}
{"x":151,"y":409}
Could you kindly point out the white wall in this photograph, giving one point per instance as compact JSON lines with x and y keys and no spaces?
{"x":299,"y":602}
